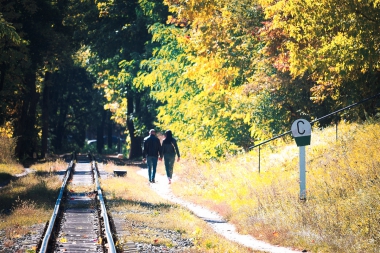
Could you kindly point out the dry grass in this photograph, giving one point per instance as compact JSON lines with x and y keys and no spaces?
{"x":8,"y":165}
{"x":23,"y":214}
{"x":50,"y":166}
{"x":132,"y":196}
{"x":11,"y":168}
{"x":38,"y":187}
{"x":341,"y":213}
{"x":7,"y":147}
{"x":26,"y":201}
{"x":8,"y":171}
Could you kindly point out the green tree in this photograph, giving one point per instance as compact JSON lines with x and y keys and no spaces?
{"x":44,"y":45}
{"x":76,"y":107}
{"x":117,"y":32}
{"x":9,"y":39}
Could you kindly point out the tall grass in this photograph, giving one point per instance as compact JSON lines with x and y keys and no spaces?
{"x":7,"y":147}
{"x":26,"y":201}
{"x":342,"y":210}
{"x":40,"y":190}
{"x":8,"y":171}
{"x":50,"y":166}
{"x":132,"y":197}
{"x":8,"y":165}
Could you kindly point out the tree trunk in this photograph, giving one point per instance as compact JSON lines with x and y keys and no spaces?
{"x":2,"y":76}
{"x":26,"y":132}
{"x":62,"y":112}
{"x":100,"y":133}
{"x":60,"y":130}
{"x":109,"y":130}
{"x":45,"y":115}
{"x":135,"y":149}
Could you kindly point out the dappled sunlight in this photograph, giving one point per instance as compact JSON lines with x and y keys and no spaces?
{"x":27,"y":201}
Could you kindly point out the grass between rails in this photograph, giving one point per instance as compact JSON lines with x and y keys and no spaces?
{"x":28,"y":200}
{"x":342,"y":210}
{"x":139,"y":204}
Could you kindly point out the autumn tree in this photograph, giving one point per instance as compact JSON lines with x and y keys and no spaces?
{"x":333,"y":43}
{"x":205,"y":57}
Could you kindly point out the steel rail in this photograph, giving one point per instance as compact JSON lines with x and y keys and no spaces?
{"x":45,"y":241}
{"x":110,"y":241}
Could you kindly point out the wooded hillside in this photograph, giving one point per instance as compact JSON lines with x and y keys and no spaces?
{"x":222,"y":75}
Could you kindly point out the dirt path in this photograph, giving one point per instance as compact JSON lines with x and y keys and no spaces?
{"x":213,"y":219}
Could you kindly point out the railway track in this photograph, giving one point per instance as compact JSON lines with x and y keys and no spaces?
{"x":80,"y":222}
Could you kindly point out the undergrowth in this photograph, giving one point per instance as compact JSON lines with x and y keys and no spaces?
{"x":132,"y":198}
{"x":7,"y":147}
{"x":26,"y":201}
{"x":341,"y":212}
{"x":50,"y":166}
{"x":8,"y":171}
{"x":8,"y":165}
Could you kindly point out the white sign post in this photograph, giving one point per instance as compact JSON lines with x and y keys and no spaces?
{"x":301,"y":130}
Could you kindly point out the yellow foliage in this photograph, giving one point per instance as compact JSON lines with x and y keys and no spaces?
{"x":6,"y":130}
{"x":7,"y":144}
{"x":329,"y":39}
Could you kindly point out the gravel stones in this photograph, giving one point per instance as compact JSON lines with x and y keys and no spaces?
{"x":158,"y":236}
{"x":21,"y":242}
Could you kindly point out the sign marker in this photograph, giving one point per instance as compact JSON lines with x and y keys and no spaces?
{"x":301,"y":131}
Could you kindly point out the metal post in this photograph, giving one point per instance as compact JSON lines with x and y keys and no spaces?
{"x":302,"y":165}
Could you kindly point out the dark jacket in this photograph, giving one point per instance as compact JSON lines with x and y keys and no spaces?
{"x":170,"y":147}
{"x":152,"y":146}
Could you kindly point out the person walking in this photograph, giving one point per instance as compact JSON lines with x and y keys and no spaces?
{"x":169,"y":151}
{"x":151,"y":153}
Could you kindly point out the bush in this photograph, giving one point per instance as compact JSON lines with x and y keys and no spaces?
{"x":7,"y":147}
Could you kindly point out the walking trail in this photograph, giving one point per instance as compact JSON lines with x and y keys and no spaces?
{"x":162,"y":188}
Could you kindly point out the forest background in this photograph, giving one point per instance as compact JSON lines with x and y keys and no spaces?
{"x":222,"y":75}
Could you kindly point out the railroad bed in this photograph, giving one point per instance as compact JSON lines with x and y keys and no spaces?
{"x":80,"y":222}
{"x":79,"y":229}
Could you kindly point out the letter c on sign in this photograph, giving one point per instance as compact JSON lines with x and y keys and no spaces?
{"x":298,"y":127}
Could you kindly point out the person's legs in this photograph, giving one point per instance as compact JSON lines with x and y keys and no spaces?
{"x":154,"y":166}
{"x":169,"y":164}
{"x":149,"y":162}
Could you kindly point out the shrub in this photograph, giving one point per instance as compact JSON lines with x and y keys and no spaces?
{"x":7,"y":147}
